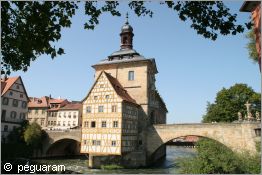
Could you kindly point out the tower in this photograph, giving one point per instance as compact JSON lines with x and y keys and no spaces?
{"x":122,"y":102}
{"x":126,"y":35}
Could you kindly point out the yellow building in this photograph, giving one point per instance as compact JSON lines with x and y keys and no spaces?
{"x":122,"y":102}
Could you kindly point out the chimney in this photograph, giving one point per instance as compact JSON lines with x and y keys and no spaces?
{"x":50,"y":96}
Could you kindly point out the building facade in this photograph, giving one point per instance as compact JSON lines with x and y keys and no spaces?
{"x":124,"y":92}
{"x":69,"y":116}
{"x":37,"y":110}
{"x":13,"y":105}
{"x":54,"y":106}
{"x":44,"y":110}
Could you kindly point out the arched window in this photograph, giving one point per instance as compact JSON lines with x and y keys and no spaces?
{"x":125,"y":40}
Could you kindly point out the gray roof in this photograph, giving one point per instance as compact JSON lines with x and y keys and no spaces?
{"x":124,"y":52}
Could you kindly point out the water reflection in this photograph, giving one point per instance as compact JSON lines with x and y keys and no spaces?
{"x":167,"y":166}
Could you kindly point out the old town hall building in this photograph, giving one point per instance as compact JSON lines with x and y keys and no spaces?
{"x":122,"y":102}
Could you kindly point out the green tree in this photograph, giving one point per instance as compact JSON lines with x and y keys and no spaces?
{"x":17,"y":135}
{"x":33,"y":135}
{"x":230,"y":101}
{"x":215,"y":158}
{"x":251,"y":46}
{"x":31,"y":28}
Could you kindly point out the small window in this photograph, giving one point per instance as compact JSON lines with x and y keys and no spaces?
{"x":88,"y":109}
{"x":98,"y":142}
{"x":113,"y":143}
{"x":13,"y":114}
{"x":100,"y":108}
{"x":58,"y":124}
{"x":84,"y":142}
{"x":17,"y":87}
{"x":93,"y":124}
{"x":6,"y":128}
{"x":103,"y":124}
{"x":115,"y":124}
{"x":107,"y":96}
{"x":15,"y":103}
{"x":140,"y":142}
{"x":64,"y":123}
{"x":113,"y":108}
{"x":22,"y":116}
{"x":131,"y":75}
{"x":95,"y":97}
{"x":24,"y":104}
{"x":11,"y":93}
{"x":69,"y":123}
{"x":21,"y":95}
{"x":74,"y":123}
{"x":5,"y":101}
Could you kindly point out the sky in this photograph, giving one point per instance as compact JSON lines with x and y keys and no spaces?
{"x":191,"y":69}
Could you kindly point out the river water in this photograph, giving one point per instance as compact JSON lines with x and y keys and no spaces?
{"x":167,"y":166}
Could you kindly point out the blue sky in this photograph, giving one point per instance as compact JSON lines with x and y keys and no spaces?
{"x":192,"y":69}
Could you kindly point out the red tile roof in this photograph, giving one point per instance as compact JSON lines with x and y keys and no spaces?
{"x":7,"y":83}
{"x":121,"y":92}
{"x":71,"y":106}
{"x":53,"y":100}
{"x":38,"y":102}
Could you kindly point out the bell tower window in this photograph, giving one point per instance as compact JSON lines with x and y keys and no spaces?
{"x":125,"y":40}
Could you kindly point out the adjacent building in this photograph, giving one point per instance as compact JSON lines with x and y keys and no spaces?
{"x":69,"y":116}
{"x":57,"y":114}
{"x":54,"y":106}
{"x":37,"y":110}
{"x":13,"y":105}
{"x":122,"y":102}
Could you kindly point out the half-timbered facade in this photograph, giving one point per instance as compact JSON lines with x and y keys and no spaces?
{"x":14,"y":105}
{"x":109,"y":124}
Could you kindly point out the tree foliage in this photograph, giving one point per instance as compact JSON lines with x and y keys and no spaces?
{"x":17,"y":134}
{"x":31,"y":28}
{"x":33,"y":135}
{"x":251,"y":46}
{"x":230,"y":101}
{"x":215,"y":158}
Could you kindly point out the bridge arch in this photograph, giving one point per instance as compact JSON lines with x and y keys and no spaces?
{"x":63,"y":147}
{"x":237,"y":137}
{"x":57,"y":138}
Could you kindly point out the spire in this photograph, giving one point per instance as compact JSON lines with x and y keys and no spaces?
{"x":126,"y":35}
{"x":127,"y":18}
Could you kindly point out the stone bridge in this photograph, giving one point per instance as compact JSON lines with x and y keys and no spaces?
{"x":63,"y":137}
{"x":236,"y":136}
